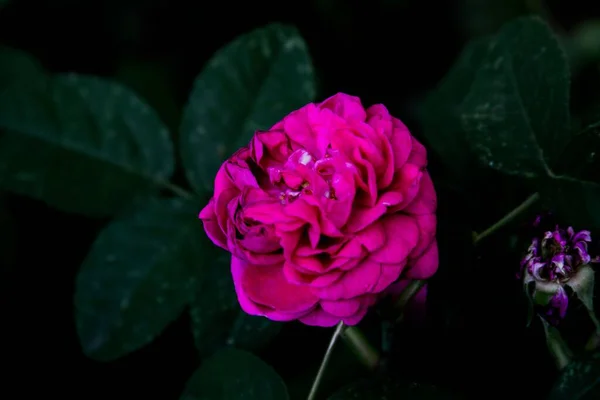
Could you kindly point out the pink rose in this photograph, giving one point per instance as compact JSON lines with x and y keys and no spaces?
{"x":323,"y":212}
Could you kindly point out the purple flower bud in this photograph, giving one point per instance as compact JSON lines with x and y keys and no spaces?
{"x":559,"y":258}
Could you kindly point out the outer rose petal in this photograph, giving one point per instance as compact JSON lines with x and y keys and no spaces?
{"x":426,"y":265}
{"x":211,"y":225}
{"x":262,"y":290}
{"x":319,"y":317}
{"x":346,"y":106}
{"x":402,"y":234}
{"x":426,"y":200}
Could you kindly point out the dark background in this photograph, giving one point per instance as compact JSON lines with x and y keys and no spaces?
{"x":385,"y":51}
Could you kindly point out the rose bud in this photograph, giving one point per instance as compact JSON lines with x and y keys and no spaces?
{"x":323,"y":212}
{"x":557,"y":259}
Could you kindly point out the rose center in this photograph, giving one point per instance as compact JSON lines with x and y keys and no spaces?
{"x":304,"y":175}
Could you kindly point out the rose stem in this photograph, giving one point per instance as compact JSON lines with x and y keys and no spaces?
{"x":359,"y":344}
{"x":321,"y":372}
{"x":507,"y":218}
{"x":409,"y":291}
{"x":179,"y":191}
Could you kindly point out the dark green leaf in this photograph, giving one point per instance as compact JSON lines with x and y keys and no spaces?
{"x":249,"y":84}
{"x":17,"y":65}
{"x":137,"y":276}
{"x":580,"y":380}
{"x":441,"y":113}
{"x":581,"y":157}
{"x":517,"y":113}
{"x":574,"y":200}
{"x":235,"y":374}
{"x":218,"y":320}
{"x":390,"y":388}
{"x":80,"y":143}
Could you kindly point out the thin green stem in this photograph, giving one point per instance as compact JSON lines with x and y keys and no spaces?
{"x":359,"y":344}
{"x":179,"y":191}
{"x":321,"y":372}
{"x":409,"y":291}
{"x":507,"y":218}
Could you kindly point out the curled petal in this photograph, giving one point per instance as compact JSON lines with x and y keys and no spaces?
{"x":263,"y":290}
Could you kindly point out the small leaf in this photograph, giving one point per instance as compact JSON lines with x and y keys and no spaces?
{"x":580,"y":380}
{"x":583,"y":286}
{"x":391,"y":388}
{"x":249,"y":84}
{"x":218,"y":320}
{"x":137,"y":276}
{"x":80,"y":143}
{"x":441,"y":121}
{"x":556,"y":345}
{"x":517,"y":113}
{"x":235,"y":374}
{"x":18,"y":65}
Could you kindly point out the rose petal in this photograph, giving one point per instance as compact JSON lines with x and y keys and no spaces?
{"x":427,"y":224}
{"x":345,"y":106}
{"x":402,"y":234}
{"x":267,"y":286}
{"x":341,"y":308}
{"x":426,"y":200}
{"x":355,"y":282}
{"x":211,"y":225}
{"x":319,"y":317}
{"x":426,"y":265}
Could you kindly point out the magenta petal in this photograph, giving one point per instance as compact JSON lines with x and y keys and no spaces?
{"x":389,"y":274}
{"x":402,"y":234}
{"x":341,"y":308}
{"x":267,"y":286}
{"x":319,"y":317}
{"x":427,"y":229}
{"x":211,"y":225}
{"x":426,"y":265}
{"x":426,"y":200}
{"x":355,"y":282}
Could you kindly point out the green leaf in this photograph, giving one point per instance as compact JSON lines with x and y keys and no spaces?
{"x":580,"y":380}
{"x":80,"y":143}
{"x":18,"y":65}
{"x":517,"y":112}
{"x":248,"y":85}
{"x":391,"y":388}
{"x":218,"y":320}
{"x":235,"y":374}
{"x":440,"y":112}
{"x":576,"y":201}
{"x":136,"y":278}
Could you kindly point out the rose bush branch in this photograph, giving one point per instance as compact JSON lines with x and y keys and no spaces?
{"x":315,"y":386}
{"x":507,"y":218}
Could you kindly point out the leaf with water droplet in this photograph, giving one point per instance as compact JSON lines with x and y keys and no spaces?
{"x":232,"y":374}
{"x":137,"y":276}
{"x":218,"y":320}
{"x":80,"y":143}
{"x":249,"y":84}
{"x":516,"y":115}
